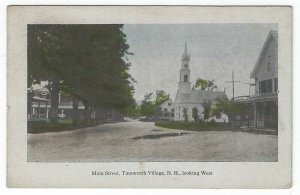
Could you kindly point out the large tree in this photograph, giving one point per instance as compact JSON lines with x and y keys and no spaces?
{"x":147,"y":107}
{"x":88,"y":60}
{"x":228,"y":107}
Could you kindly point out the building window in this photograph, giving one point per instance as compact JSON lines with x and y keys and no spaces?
{"x":269,"y":86}
{"x":276,"y":85}
{"x":172,"y":110}
{"x":269,"y":63}
{"x":185,"y":65}
{"x":266,"y":86}
{"x":169,"y":104}
{"x":269,"y":66}
{"x":165,"y":109}
{"x":185,"y":78}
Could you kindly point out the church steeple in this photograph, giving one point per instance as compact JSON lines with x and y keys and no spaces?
{"x":185,"y":55}
{"x":184,"y":84}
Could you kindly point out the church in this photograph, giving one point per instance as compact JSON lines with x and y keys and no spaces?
{"x":188,"y":98}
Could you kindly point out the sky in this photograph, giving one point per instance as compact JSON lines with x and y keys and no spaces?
{"x":215,"y":49}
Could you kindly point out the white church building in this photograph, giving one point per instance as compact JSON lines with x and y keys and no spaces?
{"x":189,"y":98}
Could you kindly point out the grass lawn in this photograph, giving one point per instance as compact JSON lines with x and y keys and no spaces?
{"x":65,"y":121}
{"x":210,"y":126}
{"x":191,"y":126}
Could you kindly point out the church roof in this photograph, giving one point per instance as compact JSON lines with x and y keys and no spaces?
{"x":199,"y":96}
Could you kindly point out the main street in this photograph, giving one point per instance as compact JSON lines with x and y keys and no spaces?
{"x":142,"y":141}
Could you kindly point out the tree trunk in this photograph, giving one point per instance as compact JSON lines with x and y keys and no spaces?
{"x":75,"y":112}
{"x":86,"y":115}
{"x":54,"y":101}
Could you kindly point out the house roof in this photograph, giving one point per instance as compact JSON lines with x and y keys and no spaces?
{"x":260,"y":98}
{"x":166,"y":102}
{"x":199,"y":96}
{"x":271,"y":35}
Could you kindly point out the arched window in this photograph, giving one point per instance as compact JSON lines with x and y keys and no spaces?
{"x":185,"y":78}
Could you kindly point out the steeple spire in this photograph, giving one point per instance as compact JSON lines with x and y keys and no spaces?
{"x":184,"y":84}
{"x":185,"y":55}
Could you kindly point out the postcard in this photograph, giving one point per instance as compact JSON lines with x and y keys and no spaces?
{"x":149,"y":97}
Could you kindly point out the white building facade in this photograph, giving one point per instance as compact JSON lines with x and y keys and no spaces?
{"x":167,"y":110}
{"x":264,"y":102}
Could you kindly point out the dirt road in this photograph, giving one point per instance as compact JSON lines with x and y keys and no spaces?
{"x":142,"y":141}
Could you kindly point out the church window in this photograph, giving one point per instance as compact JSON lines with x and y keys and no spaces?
{"x":185,"y":78}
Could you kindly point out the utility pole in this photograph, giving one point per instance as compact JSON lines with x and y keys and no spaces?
{"x":232,"y":81}
{"x":248,"y":116}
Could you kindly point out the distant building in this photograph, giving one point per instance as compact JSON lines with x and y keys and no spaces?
{"x":189,"y":98}
{"x":264,"y":103}
{"x":167,"y":110}
{"x":39,"y":104}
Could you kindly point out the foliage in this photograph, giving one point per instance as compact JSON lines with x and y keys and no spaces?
{"x":195,"y":114}
{"x":206,"y":109}
{"x":200,"y":126}
{"x":86,"y":61}
{"x":230,"y":108}
{"x":147,"y":106}
{"x":150,"y":107}
{"x":185,"y":115}
{"x":205,"y":84}
{"x":134,"y":111}
{"x":161,"y":96}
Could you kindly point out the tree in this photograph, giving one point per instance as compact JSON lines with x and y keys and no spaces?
{"x":230,"y":108}
{"x":147,"y":106}
{"x":151,"y":107}
{"x":44,"y":61}
{"x":160,"y":97}
{"x":88,"y":60}
{"x":206,"y":109}
{"x":185,"y":114}
{"x":195,"y":114}
{"x":205,"y":84}
{"x":221,"y":107}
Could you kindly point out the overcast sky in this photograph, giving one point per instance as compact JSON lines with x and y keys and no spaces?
{"x":215,"y":49}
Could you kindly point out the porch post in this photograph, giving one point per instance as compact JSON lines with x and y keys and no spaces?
{"x":263,"y":113}
{"x":255,"y":115}
{"x":39,"y":109}
{"x":248,"y":105}
{"x":46,"y":110}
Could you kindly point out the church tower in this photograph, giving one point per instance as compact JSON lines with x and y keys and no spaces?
{"x":184,"y":84}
